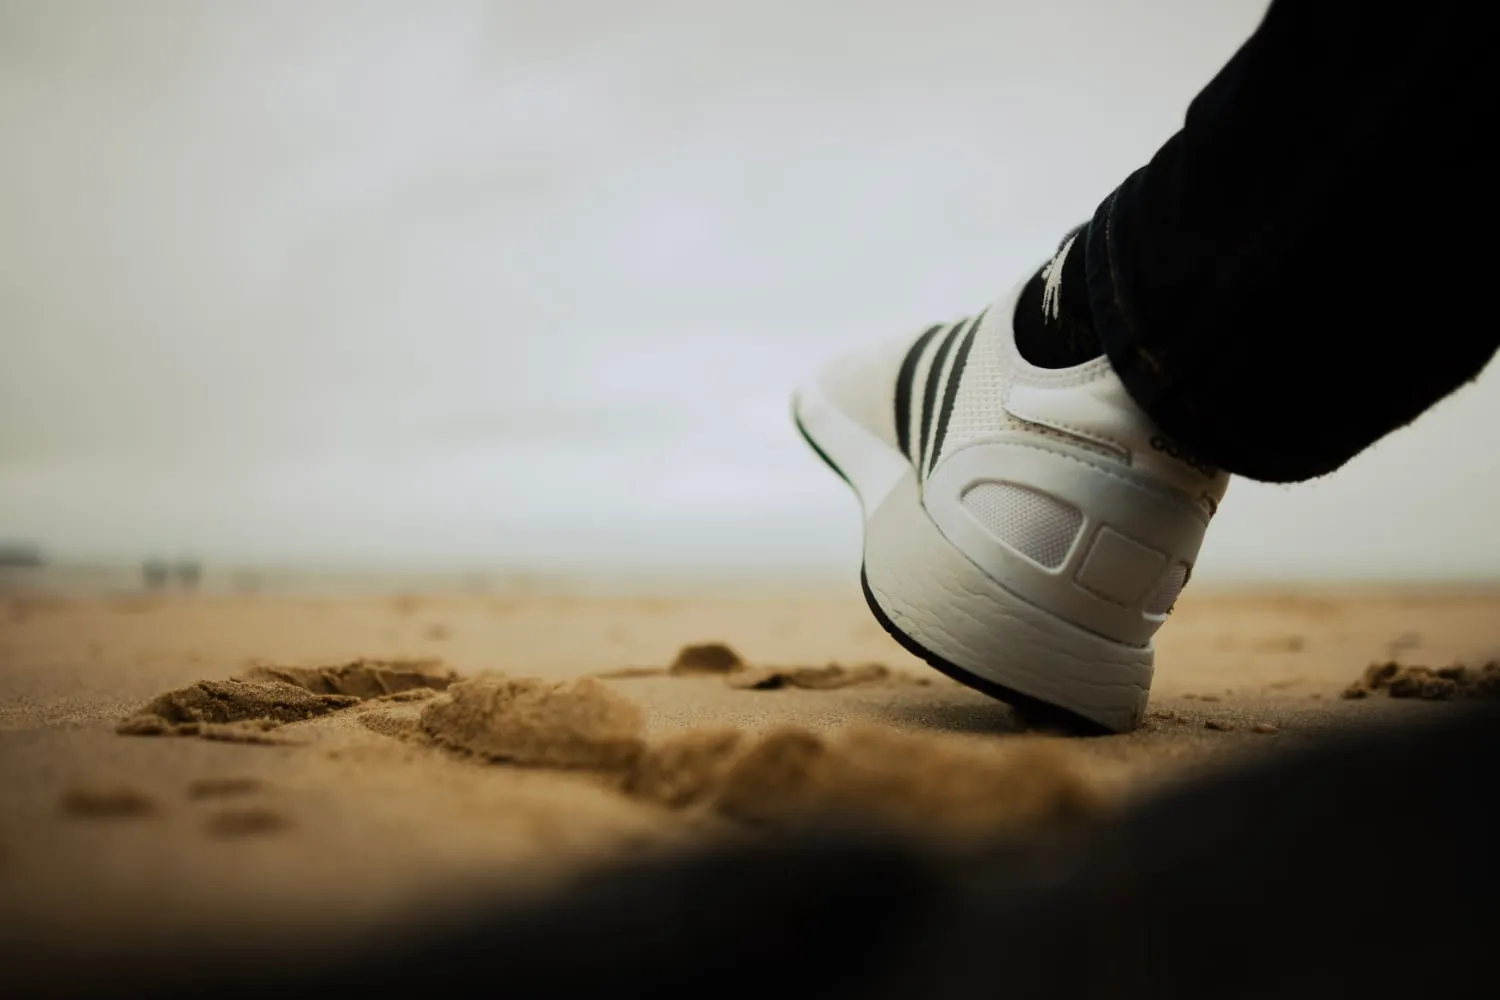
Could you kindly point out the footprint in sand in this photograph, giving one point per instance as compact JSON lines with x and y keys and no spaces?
{"x":114,"y":803}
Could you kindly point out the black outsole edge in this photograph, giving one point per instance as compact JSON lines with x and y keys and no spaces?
{"x":1033,"y":711}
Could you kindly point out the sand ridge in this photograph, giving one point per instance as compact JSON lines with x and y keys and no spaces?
{"x":786,"y":776}
{"x":266,"y":697}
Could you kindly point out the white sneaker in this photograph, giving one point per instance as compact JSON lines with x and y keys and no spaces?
{"x":1027,"y":530}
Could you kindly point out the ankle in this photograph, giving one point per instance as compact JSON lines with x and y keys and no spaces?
{"x":1054,"y":324}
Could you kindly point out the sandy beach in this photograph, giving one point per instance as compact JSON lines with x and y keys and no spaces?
{"x":383,"y":756}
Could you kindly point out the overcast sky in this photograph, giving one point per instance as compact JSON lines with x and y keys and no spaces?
{"x":502,"y":284}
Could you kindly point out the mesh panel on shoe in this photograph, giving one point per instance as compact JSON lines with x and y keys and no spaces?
{"x":979,"y":408}
{"x":1040,"y":527}
{"x":1168,"y":590}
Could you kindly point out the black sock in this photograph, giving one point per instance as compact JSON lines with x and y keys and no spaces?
{"x":1054,"y":323}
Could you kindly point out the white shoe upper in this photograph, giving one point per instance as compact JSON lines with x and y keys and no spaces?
{"x":1052,"y":481}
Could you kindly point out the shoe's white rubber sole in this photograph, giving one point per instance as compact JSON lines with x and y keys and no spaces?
{"x":944,"y":609}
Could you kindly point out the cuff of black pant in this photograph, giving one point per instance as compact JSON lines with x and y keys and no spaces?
{"x":1116,"y":322}
{"x":1142,"y":364}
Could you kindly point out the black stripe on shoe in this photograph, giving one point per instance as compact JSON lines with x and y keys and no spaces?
{"x":904,"y":382}
{"x":950,"y":393}
{"x":929,"y":393}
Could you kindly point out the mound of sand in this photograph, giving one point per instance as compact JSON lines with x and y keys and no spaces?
{"x":703,"y":659}
{"x":686,"y":770}
{"x":871,"y":774}
{"x":787,"y":776}
{"x":244,"y":709}
{"x":208,"y":703}
{"x":571,"y":724}
{"x":708,"y":658}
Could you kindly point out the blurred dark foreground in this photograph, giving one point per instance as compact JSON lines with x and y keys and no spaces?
{"x":1363,"y":867}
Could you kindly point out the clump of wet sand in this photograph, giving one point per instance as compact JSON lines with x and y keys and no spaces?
{"x":218,"y":703}
{"x":362,"y":678}
{"x":246,"y":709}
{"x":1428,"y":683}
{"x":572,"y":724}
{"x":706,"y":658}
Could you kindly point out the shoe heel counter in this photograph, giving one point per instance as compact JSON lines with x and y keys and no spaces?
{"x":1087,"y":539}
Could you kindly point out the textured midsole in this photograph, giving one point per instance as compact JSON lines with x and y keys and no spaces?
{"x":947,"y":605}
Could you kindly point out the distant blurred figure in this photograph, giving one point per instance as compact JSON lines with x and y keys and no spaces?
{"x":155,"y":574}
{"x":21,"y":555}
{"x":189,"y":572}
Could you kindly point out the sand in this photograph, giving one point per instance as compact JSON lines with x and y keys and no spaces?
{"x":184,"y":774}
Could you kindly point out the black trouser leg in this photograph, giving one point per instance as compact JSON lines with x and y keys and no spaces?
{"x":1305,"y":266}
